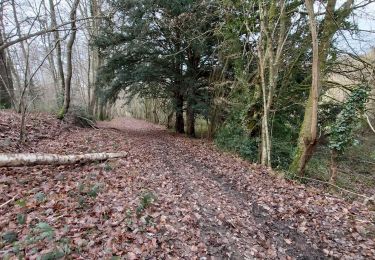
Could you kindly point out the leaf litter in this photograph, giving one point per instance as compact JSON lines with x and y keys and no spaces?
{"x":171,"y":198}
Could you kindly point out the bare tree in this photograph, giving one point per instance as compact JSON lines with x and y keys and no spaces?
{"x":56,"y":35}
{"x":273,"y":32}
{"x":6,"y":82}
{"x":24,"y":49}
{"x":69,"y":67}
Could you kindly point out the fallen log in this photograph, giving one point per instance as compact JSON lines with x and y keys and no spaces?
{"x":31,"y":159}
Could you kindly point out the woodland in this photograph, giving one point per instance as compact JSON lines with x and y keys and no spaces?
{"x":187,"y":129}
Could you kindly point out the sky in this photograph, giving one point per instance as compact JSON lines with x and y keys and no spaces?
{"x":365,"y":41}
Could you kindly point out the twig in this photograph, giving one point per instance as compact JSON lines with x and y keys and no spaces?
{"x":89,"y":122}
{"x":9,"y":201}
{"x":369,"y":123}
{"x":324,"y":182}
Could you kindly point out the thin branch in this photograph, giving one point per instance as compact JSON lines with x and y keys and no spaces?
{"x":53,"y":29}
{"x":9,"y":201}
{"x":333,"y":185}
{"x":369,"y":123}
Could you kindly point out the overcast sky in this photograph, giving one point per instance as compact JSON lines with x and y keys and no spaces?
{"x":365,"y":19}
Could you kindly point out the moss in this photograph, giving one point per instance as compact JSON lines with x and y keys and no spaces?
{"x":61,"y":114}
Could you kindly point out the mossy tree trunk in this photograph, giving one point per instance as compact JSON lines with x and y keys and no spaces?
{"x":69,"y":66}
{"x":308,"y":134}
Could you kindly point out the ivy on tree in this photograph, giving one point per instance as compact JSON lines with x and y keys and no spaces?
{"x":342,"y":131}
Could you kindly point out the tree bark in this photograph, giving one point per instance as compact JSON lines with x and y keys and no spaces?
{"x":308,"y":133}
{"x":56,"y":34}
{"x":333,"y":167}
{"x":69,"y":67}
{"x":179,"y":124}
{"x":190,"y":119}
{"x":26,"y":55}
{"x":94,"y":57}
{"x":308,"y":136}
{"x":272,"y":33}
{"x":6,"y":82}
{"x":31,"y":159}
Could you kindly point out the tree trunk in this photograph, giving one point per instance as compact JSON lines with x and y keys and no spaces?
{"x":308,"y":134}
{"x":69,"y":67}
{"x":95,"y":58}
{"x":102,"y":111}
{"x":6,"y":82}
{"x":273,"y":35}
{"x":60,"y":68}
{"x":179,"y":124}
{"x":333,"y":167}
{"x":169,"y":120}
{"x":190,"y":119}
{"x":26,"y":55}
{"x":31,"y":159}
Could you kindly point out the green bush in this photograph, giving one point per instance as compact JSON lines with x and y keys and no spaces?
{"x":231,"y":137}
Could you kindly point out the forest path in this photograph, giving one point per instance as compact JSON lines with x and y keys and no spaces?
{"x":240,"y":210}
{"x":172,"y":197}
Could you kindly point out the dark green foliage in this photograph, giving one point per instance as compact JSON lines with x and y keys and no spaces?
{"x":43,"y":231}
{"x":78,"y":116}
{"x":241,"y":131}
{"x":21,"y":218}
{"x":9,"y":237}
{"x":94,"y":191}
{"x":160,"y":49}
{"x":90,"y":190}
{"x":107,"y":167}
{"x":21,"y":203}
{"x":234,"y":134}
{"x":232,"y":138}
{"x":53,"y":255}
{"x":146,"y":200}
{"x":40,"y":197}
{"x":341,"y":132}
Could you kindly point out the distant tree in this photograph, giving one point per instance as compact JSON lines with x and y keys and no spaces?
{"x":161,"y":49}
{"x":6,"y":81}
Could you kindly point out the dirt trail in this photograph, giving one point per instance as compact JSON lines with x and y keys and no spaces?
{"x":171,"y":198}
{"x":226,"y":197}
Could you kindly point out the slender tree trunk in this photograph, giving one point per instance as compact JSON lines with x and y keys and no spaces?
{"x":333,"y":167}
{"x":15,"y":77}
{"x":190,"y":119}
{"x":308,"y":133}
{"x":60,"y":66}
{"x":6,"y":81}
{"x":273,"y":35}
{"x":169,"y":120}
{"x":69,"y":67}
{"x":26,"y":55}
{"x":179,"y":124}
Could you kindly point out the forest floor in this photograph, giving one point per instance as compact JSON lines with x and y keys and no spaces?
{"x":171,"y":198}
